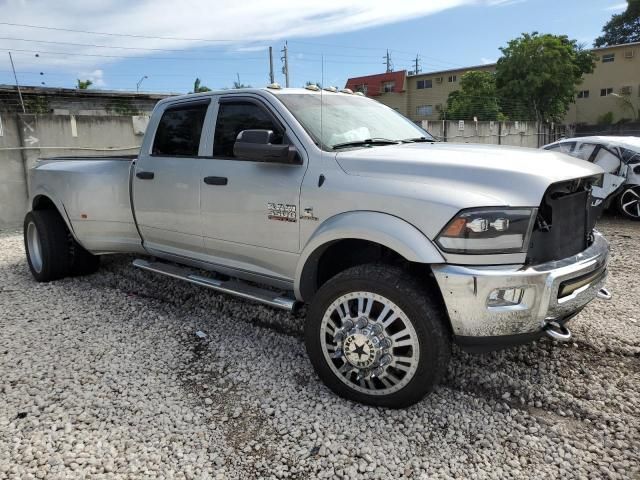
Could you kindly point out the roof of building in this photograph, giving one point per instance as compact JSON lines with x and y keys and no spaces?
{"x":374,"y":82}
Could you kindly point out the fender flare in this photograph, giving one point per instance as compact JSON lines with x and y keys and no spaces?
{"x":44,"y":192}
{"x":382,"y":228}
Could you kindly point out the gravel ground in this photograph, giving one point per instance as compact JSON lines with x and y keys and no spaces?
{"x":105,"y":377}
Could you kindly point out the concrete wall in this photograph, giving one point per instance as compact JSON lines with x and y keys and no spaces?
{"x":24,"y":138}
{"x":517,"y":134}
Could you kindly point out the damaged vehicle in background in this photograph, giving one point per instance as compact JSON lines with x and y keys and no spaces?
{"x":619,"y":157}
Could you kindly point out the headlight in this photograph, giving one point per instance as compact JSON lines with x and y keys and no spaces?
{"x":488,"y":231}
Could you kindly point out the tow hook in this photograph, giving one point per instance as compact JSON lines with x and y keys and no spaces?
{"x":557,"y":332}
{"x":604,"y":294}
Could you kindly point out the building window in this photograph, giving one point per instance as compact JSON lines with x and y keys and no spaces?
{"x":388,"y":87}
{"x":583,"y":94}
{"x":605,"y":92}
{"x":626,"y":91}
{"x":420,"y":84}
{"x":362,"y":88}
{"x":608,"y":58}
{"x":453,"y":78}
{"x":424,"y":110}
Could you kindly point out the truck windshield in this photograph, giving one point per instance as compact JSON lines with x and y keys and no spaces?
{"x":351,"y":121}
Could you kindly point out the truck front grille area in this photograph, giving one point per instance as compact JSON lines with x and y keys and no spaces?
{"x":564,"y":223}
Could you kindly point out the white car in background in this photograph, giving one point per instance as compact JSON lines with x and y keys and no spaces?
{"x":620,"y":159}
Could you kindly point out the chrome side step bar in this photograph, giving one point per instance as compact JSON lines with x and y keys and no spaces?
{"x":232,"y":287}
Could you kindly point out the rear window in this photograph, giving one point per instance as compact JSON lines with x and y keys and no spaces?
{"x":179,"y":130}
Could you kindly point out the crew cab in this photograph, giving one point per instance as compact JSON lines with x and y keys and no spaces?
{"x":399,"y":245}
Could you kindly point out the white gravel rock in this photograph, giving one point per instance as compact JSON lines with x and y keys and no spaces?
{"x":103,"y":377}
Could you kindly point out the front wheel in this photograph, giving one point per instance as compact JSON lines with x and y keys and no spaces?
{"x":629,"y":202}
{"x":375,"y":336}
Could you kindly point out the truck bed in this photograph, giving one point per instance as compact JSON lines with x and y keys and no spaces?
{"x":95,"y":194}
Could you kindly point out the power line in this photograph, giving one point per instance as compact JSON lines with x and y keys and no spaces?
{"x":75,"y":54}
{"x":91,"y":45}
{"x":111,"y":34}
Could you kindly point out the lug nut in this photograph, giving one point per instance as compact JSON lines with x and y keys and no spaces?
{"x":347,"y":324}
{"x":377,"y":372}
{"x":386,"y":343}
{"x":362,"y":374}
{"x":385,"y":359}
{"x":361,"y":322}
{"x":339,"y":336}
{"x":337,"y":353}
{"x":376,"y":329}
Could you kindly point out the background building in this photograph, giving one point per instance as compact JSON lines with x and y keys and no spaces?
{"x":614,"y":87}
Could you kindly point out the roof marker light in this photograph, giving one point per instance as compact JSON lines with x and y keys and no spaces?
{"x":312,"y":86}
{"x":346,"y":90}
{"x":274,"y":86}
{"x":331,"y":89}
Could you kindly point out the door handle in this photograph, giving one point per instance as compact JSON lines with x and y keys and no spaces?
{"x":216,"y":180}
{"x":145,"y":175}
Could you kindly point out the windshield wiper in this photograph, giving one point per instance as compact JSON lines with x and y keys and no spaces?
{"x":417,"y":140}
{"x":368,"y":141}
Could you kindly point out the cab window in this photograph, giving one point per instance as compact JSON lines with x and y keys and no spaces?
{"x":178,"y":133}
{"x":234,"y":117}
{"x":564,"y":147}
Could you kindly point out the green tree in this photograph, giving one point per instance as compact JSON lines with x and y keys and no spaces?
{"x":198,"y":88}
{"x":622,"y":28}
{"x":477,"y":97}
{"x":537,"y":75}
{"x":84,"y":84}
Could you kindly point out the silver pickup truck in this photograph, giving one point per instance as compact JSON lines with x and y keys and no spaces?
{"x":399,"y":245}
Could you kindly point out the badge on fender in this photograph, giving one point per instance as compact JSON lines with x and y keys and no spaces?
{"x":282,"y":212}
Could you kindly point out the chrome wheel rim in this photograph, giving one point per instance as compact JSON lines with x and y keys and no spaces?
{"x":630,"y":202}
{"x":369,"y":343}
{"x":35,"y":250}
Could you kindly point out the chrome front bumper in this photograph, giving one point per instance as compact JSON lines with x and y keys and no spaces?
{"x":543,"y":293}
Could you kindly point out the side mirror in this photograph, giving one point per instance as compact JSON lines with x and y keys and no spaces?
{"x":256,"y":146}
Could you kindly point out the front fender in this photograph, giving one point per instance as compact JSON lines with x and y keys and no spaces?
{"x":384,"y":229}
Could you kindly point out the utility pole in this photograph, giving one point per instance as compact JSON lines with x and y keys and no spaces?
{"x":271,"y":77}
{"x":387,"y":61}
{"x":417,"y":65}
{"x":285,"y":66}
{"x":17,"y":84}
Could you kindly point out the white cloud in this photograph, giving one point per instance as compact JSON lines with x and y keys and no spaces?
{"x":504,"y":3}
{"x":617,"y":6}
{"x":487,"y":61}
{"x":96,"y":77}
{"x":239,"y":25}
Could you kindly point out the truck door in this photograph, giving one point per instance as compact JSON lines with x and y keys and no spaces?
{"x":250,"y":210}
{"x":166,"y":182}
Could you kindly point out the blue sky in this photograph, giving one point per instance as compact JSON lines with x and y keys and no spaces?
{"x":352,"y":39}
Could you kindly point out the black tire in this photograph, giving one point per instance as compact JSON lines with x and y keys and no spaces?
{"x":423,"y":312}
{"x":630,"y":193}
{"x":46,"y":243}
{"x":82,"y":262}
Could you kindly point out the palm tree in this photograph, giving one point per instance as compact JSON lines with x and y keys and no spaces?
{"x":84,"y":84}
{"x":197,"y":88}
{"x":237,"y":85}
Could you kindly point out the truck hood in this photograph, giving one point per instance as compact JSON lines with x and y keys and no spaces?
{"x":513,"y":176}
